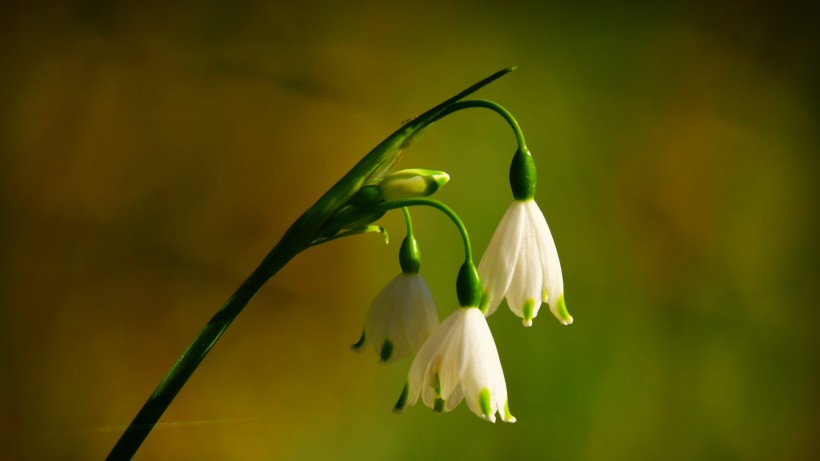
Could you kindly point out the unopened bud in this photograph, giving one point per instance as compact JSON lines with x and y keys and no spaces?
{"x":412,"y":183}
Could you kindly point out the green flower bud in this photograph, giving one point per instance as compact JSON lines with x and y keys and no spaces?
{"x":412,"y":183}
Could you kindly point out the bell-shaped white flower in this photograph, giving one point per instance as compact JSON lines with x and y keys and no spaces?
{"x":459,"y":361}
{"x":400,"y":318}
{"x":521,"y":264}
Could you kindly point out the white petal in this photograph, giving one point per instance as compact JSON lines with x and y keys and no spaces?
{"x":419,"y":316}
{"x":524,"y":294}
{"x":452,"y":361}
{"x":498,"y":263}
{"x":395,"y":327}
{"x":381,"y":311}
{"x":484,"y":365}
{"x":553,"y":278}
{"x":428,"y":361}
{"x":454,"y":398}
{"x":404,"y":314}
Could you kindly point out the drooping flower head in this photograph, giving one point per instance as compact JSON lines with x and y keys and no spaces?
{"x":400,"y":318}
{"x":403,"y":314}
{"x":521,"y":262}
{"x":459,"y":362}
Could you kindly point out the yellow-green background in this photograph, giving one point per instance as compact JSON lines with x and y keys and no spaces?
{"x":152,"y":154}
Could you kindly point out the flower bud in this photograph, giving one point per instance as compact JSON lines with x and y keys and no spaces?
{"x":412,"y":183}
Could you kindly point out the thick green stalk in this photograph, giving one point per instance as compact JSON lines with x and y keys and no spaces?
{"x":422,"y":201}
{"x":495,"y":107}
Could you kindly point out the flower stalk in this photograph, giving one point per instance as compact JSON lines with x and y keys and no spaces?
{"x":455,"y":360}
{"x":308,"y":230}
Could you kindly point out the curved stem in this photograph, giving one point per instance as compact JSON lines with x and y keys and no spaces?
{"x":408,"y":221}
{"x":403,"y":203}
{"x":493,"y":106}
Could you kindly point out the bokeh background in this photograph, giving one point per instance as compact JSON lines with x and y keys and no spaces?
{"x":153,"y":153}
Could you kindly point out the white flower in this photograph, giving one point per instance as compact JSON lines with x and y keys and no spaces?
{"x":401,"y":317}
{"x":459,"y":361}
{"x":521,"y":264}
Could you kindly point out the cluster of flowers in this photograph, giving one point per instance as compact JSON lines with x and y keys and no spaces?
{"x":457,"y":359}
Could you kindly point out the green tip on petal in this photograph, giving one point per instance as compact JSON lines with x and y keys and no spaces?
{"x":439,"y":405}
{"x":386,"y":351}
{"x":562,"y":313}
{"x":485,"y":403}
{"x":359,"y":344}
{"x":507,"y":415}
{"x":527,"y":310}
{"x":399,"y":406}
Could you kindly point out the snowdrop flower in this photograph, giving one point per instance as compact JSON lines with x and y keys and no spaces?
{"x":521,"y":262}
{"x":459,"y":361}
{"x":401,"y":317}
{"x":403,"y":314}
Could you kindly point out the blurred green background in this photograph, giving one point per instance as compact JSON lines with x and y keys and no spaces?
{"x":152,"y":154}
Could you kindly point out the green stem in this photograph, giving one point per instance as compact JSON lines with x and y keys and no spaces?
{"x":409,"y":253}
{"x":408,"y":221}
{"x":493,"y":106}
{"x":468,"y":285}
{"x":188,"y":362}
{"x":387,"y":206}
